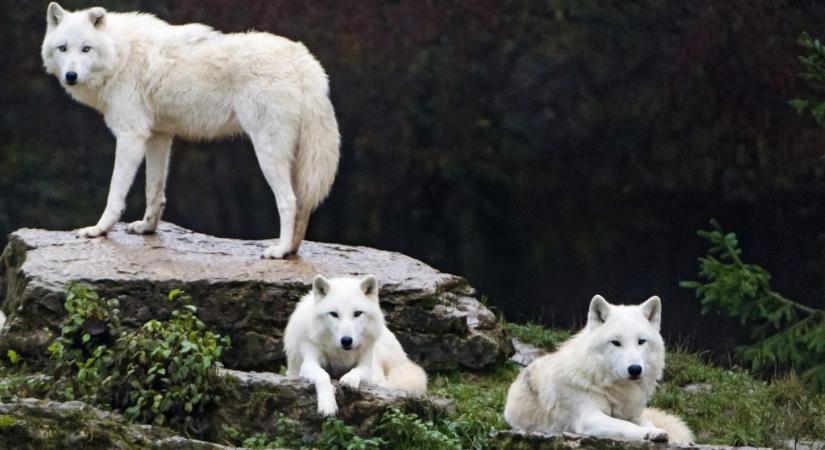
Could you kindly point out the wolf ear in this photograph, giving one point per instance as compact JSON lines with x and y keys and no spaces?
{"x":97,"y":16}
{"x":370,"y":287}
{"x":652,"y":309}
{"x":54,"y":14}
{"x":320,"y":287}
{"x":599,"y":310}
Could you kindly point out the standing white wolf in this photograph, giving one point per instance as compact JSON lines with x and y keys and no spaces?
{"x":153,"y":81}
{"x":338,"y":331}
{"x":599,"y":382}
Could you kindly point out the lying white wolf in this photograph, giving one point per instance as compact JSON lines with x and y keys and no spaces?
{"x":338,"y":331}
{"x":153,"y":81}
{"x":599,"y":382}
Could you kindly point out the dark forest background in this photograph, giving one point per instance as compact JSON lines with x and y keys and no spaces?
{"x":545,"y":150}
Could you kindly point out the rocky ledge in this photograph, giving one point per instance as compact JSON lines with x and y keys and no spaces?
{"x":435,"y":315}
{"x":30,"y":424}
{"x":520,"y":440}
{"x":253,"y":402}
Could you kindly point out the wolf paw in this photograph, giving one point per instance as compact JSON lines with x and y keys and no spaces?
{"x":327,"y":406}
{"x":656,"y":435}
{"x":91,"y":232}
{"x":276,"y":252}
{"x":351,"y":380}
{"x":140,"y":227}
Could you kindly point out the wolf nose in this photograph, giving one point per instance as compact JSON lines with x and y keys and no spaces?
{"x":71,"y":77}
{"x":346,"y":342}
{"x":635,"y":370}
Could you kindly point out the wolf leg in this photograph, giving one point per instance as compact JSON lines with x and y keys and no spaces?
{"x":128,"y":155}
{"x":360,"y":373}
{"x":158,"y":149}
{"x":312,"y":371}
{"x":596,"y":423}
{"x":275,"y":158}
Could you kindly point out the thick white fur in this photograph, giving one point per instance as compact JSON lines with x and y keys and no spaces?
{"x":153,"y":81}
{"x":313,"y":341}
{"x":586,"y":387}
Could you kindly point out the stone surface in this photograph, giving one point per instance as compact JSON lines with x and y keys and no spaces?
{"x":524,"y":353}
{"x":252,"y":402}
{"x":435,"y":315}
{"x":520,"y":440}
{"x":30,"y":424}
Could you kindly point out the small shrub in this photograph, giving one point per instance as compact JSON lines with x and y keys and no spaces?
{"x":81,"y":356}
{"x":161,"y":373}
{"x":336,"y":435}
{"x":408,"y":431}
{"x":166,"y":370}
{"x":813,"y":72}
{"x":786,"y":335}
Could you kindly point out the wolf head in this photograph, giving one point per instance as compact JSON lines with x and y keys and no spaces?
{"x":76,"y":48}
{"x":625,"y":340}
{"x":347,"y":311}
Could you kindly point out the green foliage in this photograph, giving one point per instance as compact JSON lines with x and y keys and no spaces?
{"x":538,"y":335}
{"x":813,"y":71}
{"x":161,"y":373}
{"x":166,"y":369}
{"x":336,"y":435}
{"x":408,"y":431}
{"x":82,"y":357}
{"x":479,"y":404}
{"x":786,"y":335}
{"x":288,"y":434}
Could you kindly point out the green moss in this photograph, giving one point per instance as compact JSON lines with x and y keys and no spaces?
{"x":7,"y":421}
{"x":535,"y":334}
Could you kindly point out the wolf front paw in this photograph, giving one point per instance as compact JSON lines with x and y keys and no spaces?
{"x":656,"y":435}
{"x":91,"y":232}
{"x":140,"y":227}
{"x":327,"y":406}
{"x":351,"y":380}
{"x":277,"y":251}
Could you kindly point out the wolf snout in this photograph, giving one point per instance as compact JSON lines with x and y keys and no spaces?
{"x":635,"y":371}
{"x":71,"y":77}
{"x":346,"y":342}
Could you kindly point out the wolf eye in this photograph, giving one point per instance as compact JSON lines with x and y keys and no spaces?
{"x":357,"y":313}
{"x":85,"y":49}
{"x":642,"y":341}
{"x":333,"y":314}
{"x":616,"y":343}
{"x":62,"y":48}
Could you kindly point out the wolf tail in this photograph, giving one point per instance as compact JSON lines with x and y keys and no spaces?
{"x":317,"y":153}
{"x":407,"y":375}
{"x":677,"y":431}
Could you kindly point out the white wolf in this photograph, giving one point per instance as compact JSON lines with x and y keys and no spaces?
{"x":599,"y":382}
{"x":153,"y":81}
{"x":338,"y":331}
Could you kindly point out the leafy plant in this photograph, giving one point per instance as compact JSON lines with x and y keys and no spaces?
{"x":336,"y":435}
{"x":408,"y":431}
{"x":813,"y":71}
{"x":81,"y":356}
{"x":161,"y":373}
{"x":786,"y":334}
{"x":165,"y":370}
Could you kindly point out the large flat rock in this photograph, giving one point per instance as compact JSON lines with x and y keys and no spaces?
{"x":435,"y":315}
